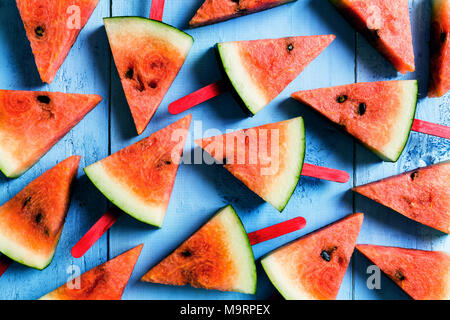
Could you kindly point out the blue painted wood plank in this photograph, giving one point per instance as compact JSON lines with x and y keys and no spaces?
{"x":384,"y":226}
{"x":200,"y":189}
{"x":84,"y":71}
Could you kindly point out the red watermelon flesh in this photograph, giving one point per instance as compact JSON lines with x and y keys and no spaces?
{"x":259,"y":70}
{"x":31,"y":222}
{"x":148,"y":55}
{"x":424,"y":275}
{"x":386,"y":25}
{"x":440,"y":49}
{"x":105,"y":282}
{"x":378,"y":114}
{"x":216,"y":257}
{"x":268,"y":159}
{"x":32,"y":122}
{"x":139,"y":179}
{"x":52,"y":28}
{"x":213,"y":11}
{"x":313,"y":267}
{"x":422,"y":195}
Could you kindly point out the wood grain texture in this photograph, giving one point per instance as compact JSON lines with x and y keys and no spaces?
{"x":201,"y":189}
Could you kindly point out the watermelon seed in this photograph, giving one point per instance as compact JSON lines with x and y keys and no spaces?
{"x":342,"y":99}
{"x":362,"y":108}
{"x":153,"y":84}
{"x":38,"y":218}
{"x":443,"y":36}
{"x":290,"y":47}
{"x":325,"y":256}
{"x":129,"y":74}
{"x":39,"y":31}
{"x":399,"y":275}
{"x":186,"y":253}
{"x":414,"y":175}
{"x":26,"y":202}
{"x":44,"y":99}
{"x":376,"y":32}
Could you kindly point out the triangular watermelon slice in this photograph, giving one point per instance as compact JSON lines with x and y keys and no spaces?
{"x":32,"y":122}
{"x":378,"y":114}
{"x":213,"y":11}
{"x":52,"y":28}
{"x":386,"y":25}
{"x":424,"y":275}
{"x":422,"y":195}
{"x":105,"y":282}
{"x":259,"y":70}
{"x":313,"y":267}
{"x":440,"y":49}
{"x":139,"y":179}
{"x":31,"y":222}
{"x":267,"y":159}
{"x":217,"y":257}
{"x":148,"y":55}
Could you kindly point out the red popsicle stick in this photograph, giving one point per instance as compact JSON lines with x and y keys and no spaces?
{"x":431,"y":129}
{"x":5,"y":262}
{"x":277,"y":230}
{"x":96,"y":232}
{"x":157,"y":10}
{"x":197,"y":97}
{"x":323,"y":173}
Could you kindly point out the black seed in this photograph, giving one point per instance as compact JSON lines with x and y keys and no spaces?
{"x":443,"y":36}
{"x":290,"y":47}
{"x":39,"y":31}
{"x":325,"y":256}
{"x":342,"y":99}
{"x":168,"y":162}
{"x":153,"y":84}
{"x":26,"y":202}
{"x":44,"y":99}
{"x":129,"y":74}
{"x":414,"y":175}
{"x":186,"y":253}
{"x":362,"y":108}
{"x":38,"y":218}
{"x":399,"y":275}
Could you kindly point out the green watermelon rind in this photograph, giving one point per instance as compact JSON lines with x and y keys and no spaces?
{"x":124,"y":199}
{"x":248,"y":98}
{"x":296,"y":175}
{"x":244,"y":246}
{"x":410,"y":114}
{"x":25,"y":257}
{"x":160,"y":24}
{"x":8,"y":168}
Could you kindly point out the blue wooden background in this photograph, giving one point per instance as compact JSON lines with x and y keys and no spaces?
{"x":200,"y":189}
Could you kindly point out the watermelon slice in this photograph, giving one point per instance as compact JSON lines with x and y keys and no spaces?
{"x":313,"y":267}
{"x":377,"y":114}
{"x":422,"y":195}
{"x":32,"y":122}
{"x":148,"y":55}
{"x":139,"y":179}
{"x":31,"y":222}
{"x":105,"y":282}
{"x":424,"y":275}
{"x":52,"y":28}
{"x":440,"y":48}
{"x":267,"y":159}
{"x":213,"y":11}
{"x":386,"y":25}
{"x":259,"y":70}
{"x":217,"y":257}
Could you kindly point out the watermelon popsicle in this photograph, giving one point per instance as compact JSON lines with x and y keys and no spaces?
{"x":380,"y":114}
{"x":257,"y":71}
{"x":148,"y":55}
